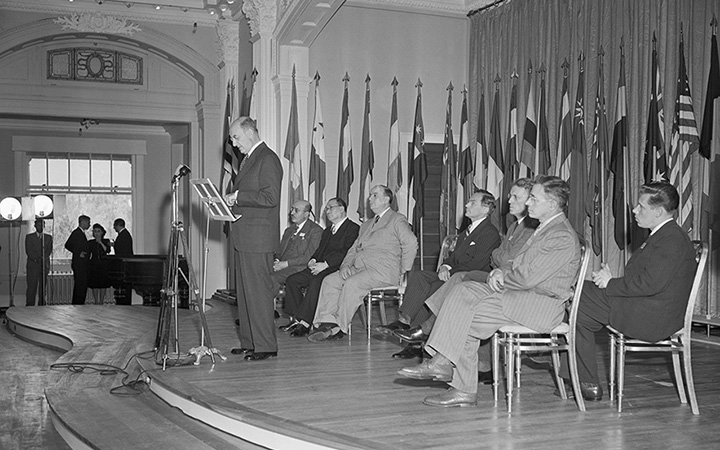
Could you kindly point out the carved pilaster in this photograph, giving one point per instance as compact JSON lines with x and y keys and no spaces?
{"x":228,"y":32}
{"x":261,"y":15}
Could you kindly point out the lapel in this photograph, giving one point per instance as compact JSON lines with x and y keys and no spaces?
{"x":539,"y":234}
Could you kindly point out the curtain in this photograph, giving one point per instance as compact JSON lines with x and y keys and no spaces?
{"x":504,"y":38}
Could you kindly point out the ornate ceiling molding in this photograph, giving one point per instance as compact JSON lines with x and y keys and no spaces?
{"x":228,"y":33}
{"x":97,"y":22}
{"x":261,"y":15}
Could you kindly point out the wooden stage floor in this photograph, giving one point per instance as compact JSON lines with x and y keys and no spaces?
{"x":341,"y":395}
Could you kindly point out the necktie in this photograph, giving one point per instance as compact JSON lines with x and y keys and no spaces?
{"x":377,"y":218}
{"x":242,"y":163}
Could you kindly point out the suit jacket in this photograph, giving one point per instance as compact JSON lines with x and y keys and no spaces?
{"x":650,"y":299}
{"x":123,"y":243}
{"x":77,"y":244}
{"x":258,"y":201}
{"x":387,"y":247}
{"x":297,"y":249}
{"x":539,"y":279}
{"x":34,"y":249}
{"x":334,"y":247}
{"x":473,"y":252}
{"x":517,"y":235}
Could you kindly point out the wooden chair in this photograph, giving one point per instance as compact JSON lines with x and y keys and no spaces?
{"x":679,"y":342}
{"x":517,"y":339}
{"x":391,"y":293}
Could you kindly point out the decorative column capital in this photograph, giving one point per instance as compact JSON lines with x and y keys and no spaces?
{"x":228,"y":33}
{"x":261,"y":15}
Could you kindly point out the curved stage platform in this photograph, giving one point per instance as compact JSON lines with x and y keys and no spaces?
{"x":332,"y":395}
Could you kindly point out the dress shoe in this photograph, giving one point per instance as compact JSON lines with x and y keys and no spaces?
{"x":322,"y":332}
{"x":259,"y":356}
{"x":336,"y":337}
{"x":452,"y":397}
{"x":591,"y":392}
{"x":428,"y":370}
{"x":300,"y":331}
{"x":237,"y":322}
{"x":412,"y":335}
{"x":388,"y":329}
{"x":290,"y":326}
{"x":242,"y":351}
{"x":485,"y":377}
{"x":409,"y":352}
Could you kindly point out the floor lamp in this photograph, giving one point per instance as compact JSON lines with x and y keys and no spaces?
{"x":43,"y":208}
{"x":10,"y":211}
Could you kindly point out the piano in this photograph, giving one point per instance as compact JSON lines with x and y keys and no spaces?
{"x":145,"y":274}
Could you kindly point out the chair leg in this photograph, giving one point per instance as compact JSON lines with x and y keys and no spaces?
{"x":574,"y":378}
{"x":687,"y":363}
{"x":518,"y":363}
{"x":495,"y":365}
{"x":556,"y":371}
{"x":679,"y":384}
{"x":369,"y":315}
{"x":383,"y":316}
{"x":620,"y":371}
{"x":509,"y":369}
{"x":611,"y":375}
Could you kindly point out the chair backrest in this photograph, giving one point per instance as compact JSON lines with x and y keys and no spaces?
{"x":701,"y":255}
{"x":577,"y":290}
{"x":448,"y":245}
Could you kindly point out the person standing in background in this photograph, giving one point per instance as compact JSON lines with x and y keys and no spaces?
{"x":97,"y":264}
{"x":123,"y":247}
{"x":38,"y":247}
{"x":77,"y":244}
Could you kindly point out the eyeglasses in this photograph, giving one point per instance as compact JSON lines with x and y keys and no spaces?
{"x":329,"y":207}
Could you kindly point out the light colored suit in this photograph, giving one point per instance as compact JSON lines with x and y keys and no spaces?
{"x":383,"y":251}
{"x":538,"y":283}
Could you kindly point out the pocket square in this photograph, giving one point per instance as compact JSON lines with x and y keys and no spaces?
{"x":472,"y":243}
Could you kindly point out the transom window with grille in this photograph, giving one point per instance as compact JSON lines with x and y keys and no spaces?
{"x":96,"y":185}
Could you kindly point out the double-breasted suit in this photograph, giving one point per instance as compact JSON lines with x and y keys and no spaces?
{"x":537,"y":285}
{"x":78,"y":245}
{"x":296,"y":247}
{"x":384,"y":249}
{"x":472,"y":252}
{"x":332,"y":250}
{"x":648,"y":302}
{"x":255,"y":239}
{"x":38,"y":247}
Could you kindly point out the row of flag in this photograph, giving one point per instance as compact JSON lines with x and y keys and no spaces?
{"x":485,"y":165}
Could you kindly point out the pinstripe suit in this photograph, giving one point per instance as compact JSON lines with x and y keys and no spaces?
{"x":538,"y":282}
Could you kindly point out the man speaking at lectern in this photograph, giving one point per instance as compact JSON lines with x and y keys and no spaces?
{"x":255,"y":196}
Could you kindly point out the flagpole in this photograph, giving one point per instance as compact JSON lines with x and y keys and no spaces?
{"x":603,"y":186}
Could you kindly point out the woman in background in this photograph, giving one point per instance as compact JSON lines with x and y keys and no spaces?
{"x":97,"y":264}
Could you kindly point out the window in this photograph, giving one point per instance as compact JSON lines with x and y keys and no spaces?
{"x":97,"y":185}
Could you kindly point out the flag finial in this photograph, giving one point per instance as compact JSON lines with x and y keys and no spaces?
{"x":418,"y":84}
{"x":714,"y":24}
{"x":367,"y":78}
{"x":497,"y":81}
{"x":542,"y":70}
{"x":317,"y":76}
{"x":450,"y":87}
{"x":293,"y":72}
{"x":565,"y":66}
{"x":529,"y":71}
{"x":346,"y":78}
{"x":464,"y":90}
{"x":394,"y":82}
{"x":581,"y":59}
{"x":254,"y":72}
{"x":514,"y":75}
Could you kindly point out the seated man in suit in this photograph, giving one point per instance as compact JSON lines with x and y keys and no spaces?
{"x":336,"y":240}
{"x":518,"y":233}
{"x":473,"y":250}
{"x":298,"y":243}
{"x":383,"y":251}
{"x":649,"y":301}
{"x":532,"y":290}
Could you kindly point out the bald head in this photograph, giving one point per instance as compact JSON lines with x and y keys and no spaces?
{"x":300,"y":211}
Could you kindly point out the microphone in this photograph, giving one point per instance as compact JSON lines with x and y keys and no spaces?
{"x":180,"y":172}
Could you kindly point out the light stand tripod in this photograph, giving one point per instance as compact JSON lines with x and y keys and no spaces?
{"x":168,"y":317}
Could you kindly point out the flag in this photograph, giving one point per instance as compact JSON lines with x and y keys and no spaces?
{"x":578,"y":159}
{"x":251,"y":110}
{"x":448,"y":183}
{"x":542,"y":156}
{"x":244,"y":99}
{"x":711,"y":191}
{"x":618,"y":164}
{"x":465,"y":164}
{"x":654,"y":163}
{"x":685,"y":141}
{"x":596,"y":190}
{"x":564,"y":157}
{"x":418,"y":167}
{"x":511,"y":163}
{"x":367,"y":156}
{"x":317,"y":173}
{"x":481,"y":156}
{"x":292,"y":150}
{"x":395,"y":175}
{"x":230,"y":153}
{"x":529,"y":146}
{"x":495,"y":170}
{"x":345,"y":172}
